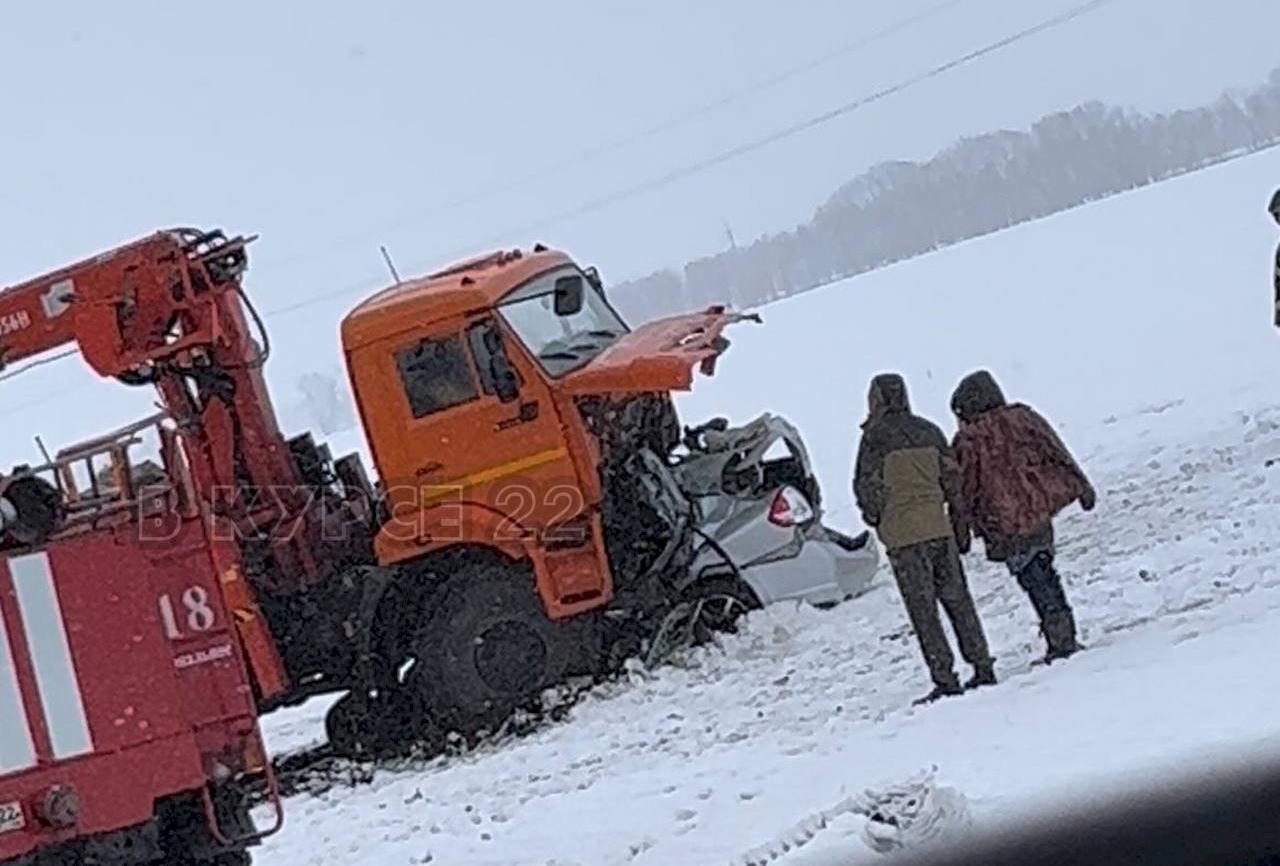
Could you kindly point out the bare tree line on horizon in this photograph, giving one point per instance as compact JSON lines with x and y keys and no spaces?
{"x":898,"y":210}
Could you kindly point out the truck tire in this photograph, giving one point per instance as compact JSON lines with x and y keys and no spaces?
{"x":487,"y":648}
{"x":232,"y":858}
{"x":229,"y":858}
{"x":36,"y":509}
{"x":362,"y":729}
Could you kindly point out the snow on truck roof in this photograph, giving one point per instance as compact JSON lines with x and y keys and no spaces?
{"x":474,"y":284}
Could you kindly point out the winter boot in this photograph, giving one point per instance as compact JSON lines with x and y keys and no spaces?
{"x":1060,"y":634}
{"x":943,"y":691}
{"x":983,"y":675}
{"x":1055,"y":654}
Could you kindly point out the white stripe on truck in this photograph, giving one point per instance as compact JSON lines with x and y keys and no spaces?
{"x":17,"y":751}
{"x":51,"y":655}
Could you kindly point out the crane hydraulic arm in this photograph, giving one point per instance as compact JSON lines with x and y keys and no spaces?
{"x":124,"y":307}
{"x":169,"y":311}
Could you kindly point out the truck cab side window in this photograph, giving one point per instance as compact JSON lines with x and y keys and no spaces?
{"x":436,"y":376}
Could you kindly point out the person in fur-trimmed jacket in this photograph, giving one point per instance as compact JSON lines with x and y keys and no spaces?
{"x":1016,"y":475}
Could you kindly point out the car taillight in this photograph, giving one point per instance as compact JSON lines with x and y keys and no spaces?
{"x":790,"y":508}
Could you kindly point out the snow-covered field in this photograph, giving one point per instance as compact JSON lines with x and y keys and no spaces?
{"x":1140,"y":325}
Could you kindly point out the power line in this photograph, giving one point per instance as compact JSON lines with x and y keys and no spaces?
{"x":772,"y":81}
{"x":797,"y":128}
{"x":707,"y":163}
{"x":333,"y":295}
{"x":13,"y":374}
{"x":46,"y":398}
{"x":741,"y":150}
{"x":603,"y":148}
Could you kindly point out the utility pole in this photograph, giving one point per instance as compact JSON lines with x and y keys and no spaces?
{"x":733,"y":267}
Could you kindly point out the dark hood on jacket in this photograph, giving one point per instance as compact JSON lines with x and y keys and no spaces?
{"x":976,"y":393}
{"x":888,"y":394}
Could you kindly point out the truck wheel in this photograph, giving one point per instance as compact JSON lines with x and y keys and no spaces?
{"x":487,"y":648}
{"x":356,"y":729}
{"x":379,"y":727}
{"x":232,"y":858}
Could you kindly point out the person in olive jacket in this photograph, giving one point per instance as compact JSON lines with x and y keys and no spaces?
{"x":905,"y":480}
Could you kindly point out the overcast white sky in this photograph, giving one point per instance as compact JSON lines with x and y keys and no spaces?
{"x":331,"y":128}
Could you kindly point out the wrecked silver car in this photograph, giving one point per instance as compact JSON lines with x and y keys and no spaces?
{"x":761,"y":538}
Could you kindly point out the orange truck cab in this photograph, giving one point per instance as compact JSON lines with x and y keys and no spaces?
{"x":520,"y":429}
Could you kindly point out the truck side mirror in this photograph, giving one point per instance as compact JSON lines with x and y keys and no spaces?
{"x":497,"y":375}
{"x":569,"y":295}
{"x":506,"y":384}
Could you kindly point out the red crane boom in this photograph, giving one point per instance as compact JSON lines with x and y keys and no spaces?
{"x":168,"y":310}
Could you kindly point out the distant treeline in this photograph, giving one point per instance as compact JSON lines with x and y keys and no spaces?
{"x":898,"y":210}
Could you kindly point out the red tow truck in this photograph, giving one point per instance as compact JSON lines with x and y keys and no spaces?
{"x":128,"y":724}
{"x":127,"y":720}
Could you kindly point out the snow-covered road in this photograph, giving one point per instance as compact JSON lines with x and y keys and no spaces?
{"x":1175,"y":578}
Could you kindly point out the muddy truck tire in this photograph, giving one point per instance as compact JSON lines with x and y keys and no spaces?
{"x":376,"y":728}
{"x":486,"y":648}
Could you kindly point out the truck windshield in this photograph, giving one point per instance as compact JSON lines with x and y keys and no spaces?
{"x":561,"y":343}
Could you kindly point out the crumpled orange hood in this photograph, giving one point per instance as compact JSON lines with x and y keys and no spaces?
{"x":657,"y":356}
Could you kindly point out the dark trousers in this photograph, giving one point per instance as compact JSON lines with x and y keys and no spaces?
{"x":930,"y":573}
{"x":1042,"y":583}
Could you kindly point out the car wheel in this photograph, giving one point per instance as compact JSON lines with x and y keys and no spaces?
{"x":718,"y":604}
